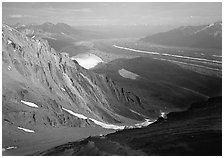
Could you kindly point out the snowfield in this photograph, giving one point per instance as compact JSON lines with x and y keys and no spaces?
{"x":29,"y":104}
{"x":87,"y":60}
{"x":26,"y":130}
{"x":127,"y":74}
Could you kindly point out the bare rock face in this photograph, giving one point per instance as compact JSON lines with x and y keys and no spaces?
{"x":34,"y":72}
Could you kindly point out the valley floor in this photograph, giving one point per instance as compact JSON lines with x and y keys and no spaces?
{"x":24,"y":143}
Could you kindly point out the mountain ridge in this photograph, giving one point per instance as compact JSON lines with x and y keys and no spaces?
{"x":37,"y":73}
{"x":203,"y":36}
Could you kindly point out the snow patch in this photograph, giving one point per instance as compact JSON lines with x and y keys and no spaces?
{"x":62,"y":89}
{"x":9,"y":148}
{"x":9,"y":67}
{"x":163,"y":115}
{"x":87,"y":60}
{"x":144,"y":124}
{"x":29,"y":104}
{"x":127,"y":74}
{"x":9,"y":41}
{"x":33,"y":36}
{"x":26,"y":130}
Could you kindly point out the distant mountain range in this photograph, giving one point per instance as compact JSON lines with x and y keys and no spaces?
{"x":204,"y":36}
{"x":56,"y":31}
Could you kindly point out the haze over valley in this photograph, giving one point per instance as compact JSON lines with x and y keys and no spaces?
{"x":109,"y":79}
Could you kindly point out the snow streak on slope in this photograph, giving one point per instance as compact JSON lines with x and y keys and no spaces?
{"x":9,"y":148}
{"x":104,"y":125}
{"x":75,"y":114}
{"x":29,"y":104}
{"x":127,"y":74}
{"x":90,"y":82}
{"x":111,"y":126}
{"x":26,"y":130}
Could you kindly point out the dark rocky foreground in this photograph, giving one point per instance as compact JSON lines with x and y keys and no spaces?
{"x":197,"y":131}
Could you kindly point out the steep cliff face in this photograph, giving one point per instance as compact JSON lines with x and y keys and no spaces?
{"x":44,"y":87}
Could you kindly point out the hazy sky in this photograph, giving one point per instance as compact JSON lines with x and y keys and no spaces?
{"x":109,"y":13}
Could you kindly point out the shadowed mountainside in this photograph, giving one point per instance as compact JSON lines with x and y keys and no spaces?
{"x":161,"y":84}
{"x":197,"y":131}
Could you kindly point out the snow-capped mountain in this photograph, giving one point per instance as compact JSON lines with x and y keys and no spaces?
{"x":204,"y":36}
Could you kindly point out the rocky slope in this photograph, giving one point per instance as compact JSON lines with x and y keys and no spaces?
{"x":197,"y":131}
{"x":163,"y":85}
{"x":204,"y":36}
{"x":42,"y":87}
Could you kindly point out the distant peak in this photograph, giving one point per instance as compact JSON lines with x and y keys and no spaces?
{"x":48,"y":23}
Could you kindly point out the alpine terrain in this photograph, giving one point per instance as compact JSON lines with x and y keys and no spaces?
{"x":44,"y":89}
